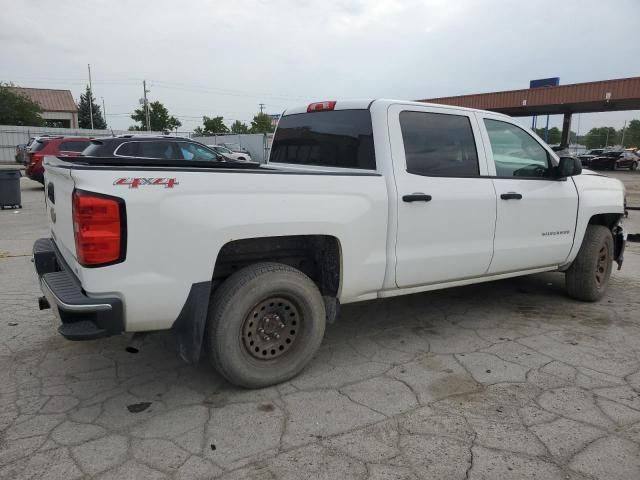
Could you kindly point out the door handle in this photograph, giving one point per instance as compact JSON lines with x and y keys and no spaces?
{"x":416,"y":197}
{"x":511,"y":196}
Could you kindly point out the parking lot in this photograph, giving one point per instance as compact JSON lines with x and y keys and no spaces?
{"x":508,"y":379}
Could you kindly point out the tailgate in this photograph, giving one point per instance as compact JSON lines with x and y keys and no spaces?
{"x":59,"y":187}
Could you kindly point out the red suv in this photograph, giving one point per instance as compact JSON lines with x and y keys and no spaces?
{"x":57,"y":146}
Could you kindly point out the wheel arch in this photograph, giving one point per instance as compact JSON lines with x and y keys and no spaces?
{"x":318,"y":256}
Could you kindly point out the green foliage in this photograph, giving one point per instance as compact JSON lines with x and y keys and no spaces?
{"x":159,"y":118}
{"x":601,"y":137}
{"x":239,"y":127}
{"x":554,"y":135}
{"x":261,"y":123}
{"x":84,"y":112}
{"x":16,"y":109}
{"x":632,"y":134}
{"x":214,"y":125}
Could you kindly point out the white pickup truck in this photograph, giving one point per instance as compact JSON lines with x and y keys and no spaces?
{"x":360,"y":200}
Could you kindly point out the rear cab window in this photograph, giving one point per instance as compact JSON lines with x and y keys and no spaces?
{"x":335,"y":138}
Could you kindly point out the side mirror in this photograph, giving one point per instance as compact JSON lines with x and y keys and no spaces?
{"x":569,"y":166}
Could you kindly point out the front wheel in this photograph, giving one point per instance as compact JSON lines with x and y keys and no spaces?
{"x":588,"y":276}
{"x":634,"y":166}
{"x":265,"y":324}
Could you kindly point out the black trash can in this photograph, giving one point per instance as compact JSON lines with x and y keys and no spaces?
{"x":10,"y":189}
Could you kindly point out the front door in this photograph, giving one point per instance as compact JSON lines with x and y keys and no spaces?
{"x":446,"y":211}
{"x":536,"y":212}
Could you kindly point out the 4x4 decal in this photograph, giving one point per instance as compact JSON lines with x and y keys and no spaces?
{"x":136,"y":182}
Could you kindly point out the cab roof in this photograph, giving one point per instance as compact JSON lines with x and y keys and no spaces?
{"x":358,"y":104}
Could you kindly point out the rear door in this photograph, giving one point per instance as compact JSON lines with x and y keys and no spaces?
{"x":536,"y":212}
{"x":446,"y":209}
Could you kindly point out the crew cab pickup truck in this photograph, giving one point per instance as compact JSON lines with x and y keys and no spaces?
{"x":360,"y":200}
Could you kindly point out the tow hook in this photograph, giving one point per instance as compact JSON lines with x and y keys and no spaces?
{"x":43,"y":303}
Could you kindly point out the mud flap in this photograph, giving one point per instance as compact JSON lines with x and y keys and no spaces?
{"x":190,"y":324}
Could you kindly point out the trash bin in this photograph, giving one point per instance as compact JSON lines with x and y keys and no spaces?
{"x":10,"y":189}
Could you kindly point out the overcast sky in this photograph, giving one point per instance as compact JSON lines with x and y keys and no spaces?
{"x":225,"y":57}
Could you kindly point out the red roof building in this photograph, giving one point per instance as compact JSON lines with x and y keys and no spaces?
{"x":59,"y":109}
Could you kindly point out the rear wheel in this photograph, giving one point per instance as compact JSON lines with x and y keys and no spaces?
{"x":588,"y":277}
{"x":265,"y":324}
{"x":634,"y":165}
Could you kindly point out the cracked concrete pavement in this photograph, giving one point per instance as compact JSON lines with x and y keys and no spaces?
{"x":508,"y":379}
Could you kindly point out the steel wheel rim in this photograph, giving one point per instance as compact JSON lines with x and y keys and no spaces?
{"x":271,"y":328}
{"x":602,"y":265}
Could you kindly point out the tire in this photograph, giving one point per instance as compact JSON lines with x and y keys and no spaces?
{"x":634,"y":166}
{"x":275,"y":295}
{"x":588,"y":276}
{"x":613,"y":166}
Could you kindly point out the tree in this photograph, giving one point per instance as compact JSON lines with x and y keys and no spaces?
{"x":554,"y":135}
{"x":261,"y":123}
{"x":632,"y":134}
{"x":214,"y":125}
{"x":159,"y":118}
{"x":239,"y":127}
{"x":85,"y":113}
{"x":600,"y":137}
{"x":16,"y":109}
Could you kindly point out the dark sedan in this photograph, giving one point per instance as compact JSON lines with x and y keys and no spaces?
{"x":615,"y":160}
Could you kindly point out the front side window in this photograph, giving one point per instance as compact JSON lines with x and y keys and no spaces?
{"x":515,"y":152}
{"x":439,"y":145}
{"x":197,"y":153}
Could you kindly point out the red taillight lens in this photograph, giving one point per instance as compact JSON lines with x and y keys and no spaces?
{"x":98,"y":224}
{"x":321,"y":106}
{"x":36,"y":158}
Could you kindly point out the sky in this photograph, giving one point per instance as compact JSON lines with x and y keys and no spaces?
{"x":227,"y":57}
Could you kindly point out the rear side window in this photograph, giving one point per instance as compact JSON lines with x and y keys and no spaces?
{"x":337,"y":138}
{"x":161,"y":150}
{"x":37,"y":146}
{"x":439,"y":145}
{"x":73,"y":146}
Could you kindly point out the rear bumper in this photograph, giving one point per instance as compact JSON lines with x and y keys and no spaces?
{"x":83,"y":317}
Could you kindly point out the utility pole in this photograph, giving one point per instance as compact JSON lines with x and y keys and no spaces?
{"x":104,"y":112}
{"x":90,"y":97}
{"x":606,"y":141}
{"x":146,"y":105}
{"x":261,"y":107}
{"x":623,"y":129}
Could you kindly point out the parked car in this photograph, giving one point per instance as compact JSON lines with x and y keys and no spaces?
{"x":163,"y":147}
{"x":236,"y":147}
{"x":586,"y":158}
{"x":225,"y":152}
{"x":360,"y":200}
{"x":51,"y":145}
{"x":614,"y":160}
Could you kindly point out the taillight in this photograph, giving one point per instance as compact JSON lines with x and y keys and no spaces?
{"x":321,"y":106}
{"x":36,"y":158}
{"x":99,"y":228}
